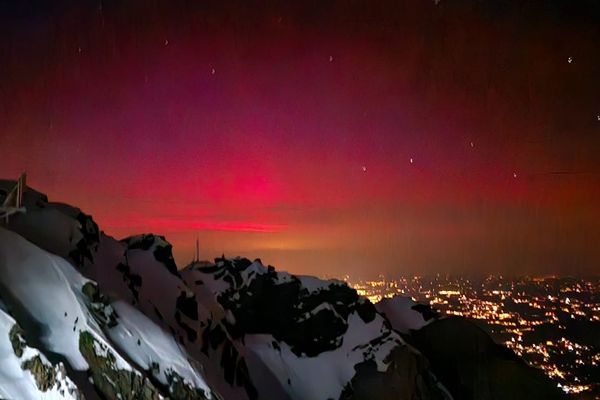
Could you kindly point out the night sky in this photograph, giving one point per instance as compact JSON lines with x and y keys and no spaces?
{"x":326,"y":137}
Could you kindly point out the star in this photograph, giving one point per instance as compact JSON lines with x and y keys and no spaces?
{"x":515,"y":175}
{"x":411,"y":160}
{"x":330,"y":58}
{"x":212,"y":71}
{"x":472,"y":144}
{"x":364,"y":168}
{"x":570,"y":60}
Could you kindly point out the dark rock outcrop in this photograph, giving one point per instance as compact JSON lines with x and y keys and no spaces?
{"x":406,"y":377}
{"x":111,"y":381}
{"x":472,"y":367}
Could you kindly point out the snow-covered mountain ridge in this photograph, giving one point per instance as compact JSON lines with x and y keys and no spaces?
{"x":304,"y":330}
{"x":117,"y":319}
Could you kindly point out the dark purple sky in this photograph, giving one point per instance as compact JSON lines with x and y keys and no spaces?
{"x":326,"y":137}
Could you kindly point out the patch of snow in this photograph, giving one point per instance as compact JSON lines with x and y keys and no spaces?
{"x":398,"y":310}
{"x":253,"y":269}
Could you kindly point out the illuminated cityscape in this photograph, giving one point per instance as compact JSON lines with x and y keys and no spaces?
{"x":552,"y":323}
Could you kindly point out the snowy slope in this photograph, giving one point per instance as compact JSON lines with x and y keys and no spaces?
{"x":70,"y":311}
{"x":405,"y":314}
{"x":50,"y":291}
{"x":156,"y":285}
{"x":148,"y":279}
{"x":157,"y":289}
{"x":25,"y":373}
{"x":51,"y":297}
{"x":153,"y":349}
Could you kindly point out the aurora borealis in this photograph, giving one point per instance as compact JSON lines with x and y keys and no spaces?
{"x":329,"y":138}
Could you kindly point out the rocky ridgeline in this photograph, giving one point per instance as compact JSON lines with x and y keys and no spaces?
{"x":232,"y":329}
{"x":310,"y":324}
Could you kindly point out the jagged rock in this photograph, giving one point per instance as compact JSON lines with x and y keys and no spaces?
{"x":16,"y":340}
{"x":44,"y":375}
{"x":114,"y":382}
{"x":88,"y":243}
{"x":179,"y":390}
{"x":266,"y":304}
{"x":99,"y":305}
